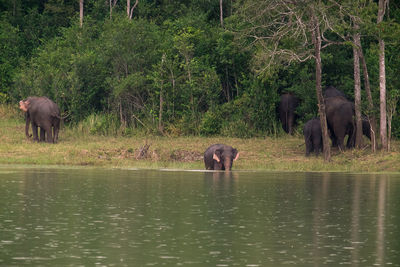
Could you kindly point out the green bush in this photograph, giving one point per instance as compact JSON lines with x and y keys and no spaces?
{"x":210,"y":123}
{"x":100,"y":124}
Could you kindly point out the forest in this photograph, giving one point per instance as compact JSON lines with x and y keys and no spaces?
{"x":204,"y":67}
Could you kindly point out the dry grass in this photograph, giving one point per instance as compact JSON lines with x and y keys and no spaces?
{"x":274,"y":154}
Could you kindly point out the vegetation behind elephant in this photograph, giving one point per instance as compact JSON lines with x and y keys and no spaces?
{"x":44,"y":113}
{"x":313,"y":136}
{"x":287,"y":107}
{"x":220,"y":157}
{"x":340,"y":120}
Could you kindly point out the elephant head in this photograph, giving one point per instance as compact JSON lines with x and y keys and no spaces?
{"x":225,"y":157}
{"x":24,"y":105}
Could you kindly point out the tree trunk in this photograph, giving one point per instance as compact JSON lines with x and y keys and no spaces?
{"x":133,"y":8}
{"x":382,"y":80}
{"x":110,"y":9}
{"x":128,"y":7}
{"x":357,"y":87}
{"x":221,"y":13}
{"x":370,"y":114}
{"x":121,"y":115}
{"x":112,"y":5}
{"x":160,"y":122}
{"x":81,"y":12}
{"x":316,"y":36}
{"x":390,"y":116}
{"x":382,"y":95}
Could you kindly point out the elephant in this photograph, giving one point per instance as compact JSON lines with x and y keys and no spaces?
{"x":287,"y":106}
{"x":220,"y":157}
{"x":331,"y":91}
{"x":44,"y":113}
{"x":340,"y":120}
{"x":366,"y":129}
{"x":313,"y":136}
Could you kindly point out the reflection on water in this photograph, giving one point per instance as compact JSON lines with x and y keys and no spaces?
{"x":177,"y":218}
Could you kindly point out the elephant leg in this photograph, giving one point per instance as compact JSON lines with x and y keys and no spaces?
{"x":333,"y":139}
{"x":351,"y":141}
{"x":284,"y":120}
{"x":290,"y":123}
{"x":308,"y":148}
{"x":55,"y":134}
{"x":49,"y":134}
{"x":218,"y":165}
{"x":42,"y":135}
{"x":317,"y":145}
{"x":56,"y":128}
{"x":35,"y":132}
{"x":340,"y":141}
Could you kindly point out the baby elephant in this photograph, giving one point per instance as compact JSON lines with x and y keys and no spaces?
{"x":313,"y":136}
{"x":220,"y":157}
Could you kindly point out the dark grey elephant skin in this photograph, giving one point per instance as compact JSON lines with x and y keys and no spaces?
{"x":340,"y":120}
{"x":287,"y":107}
{"x":366,"y":128}
{"x":313,"y":136}
{"x":331,"y":91}
{"x":44,"y":113}
{"x":220,"y":157}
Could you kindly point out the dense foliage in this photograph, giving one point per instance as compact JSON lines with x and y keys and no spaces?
{"x":172,"y":68}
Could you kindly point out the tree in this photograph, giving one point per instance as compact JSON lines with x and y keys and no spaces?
{"x":356,"y":20}
{"x":357,"y":83}
{"x":113,"y":3}
{"x":81,"y":12}
{"x":129,"y":10}
{"x":316,"y":39}
{"x":287,"y":32}
{"x":221,"y":13}
{"x":382,"y":78}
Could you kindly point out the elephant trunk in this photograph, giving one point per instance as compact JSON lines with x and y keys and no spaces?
{"x":228,"y":164}
{"x":27,"y":121}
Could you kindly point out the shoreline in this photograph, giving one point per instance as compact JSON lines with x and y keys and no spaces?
{"x":265,"y":154}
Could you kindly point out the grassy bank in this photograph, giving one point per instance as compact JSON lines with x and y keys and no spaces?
{"x":79,"y":149}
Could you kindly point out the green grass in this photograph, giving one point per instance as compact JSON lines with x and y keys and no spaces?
{"x":78,"y":147}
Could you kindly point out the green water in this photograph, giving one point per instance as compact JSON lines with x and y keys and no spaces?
{"x":80,"y":217}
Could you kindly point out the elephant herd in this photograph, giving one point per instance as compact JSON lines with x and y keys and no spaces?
{"x":43,"y":113}
{"x":339,"y":116}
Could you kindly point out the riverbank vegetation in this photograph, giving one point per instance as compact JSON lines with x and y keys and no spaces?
{"x":78,"y":146}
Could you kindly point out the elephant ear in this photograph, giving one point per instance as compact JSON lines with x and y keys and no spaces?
{"x":217,"y":155}
{"x":24,"y":105}
{"x":235,"y":154}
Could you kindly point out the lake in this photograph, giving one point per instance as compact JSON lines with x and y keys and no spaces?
{"x":105,"y":217}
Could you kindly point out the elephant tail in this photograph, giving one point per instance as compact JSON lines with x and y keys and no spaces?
{"x":58,"y":116}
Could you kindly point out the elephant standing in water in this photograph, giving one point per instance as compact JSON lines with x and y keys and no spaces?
{"x":44,"y":113}
{"x":287,"y":107}
{"x":313,"y":136}
{"x":220,"y":157}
